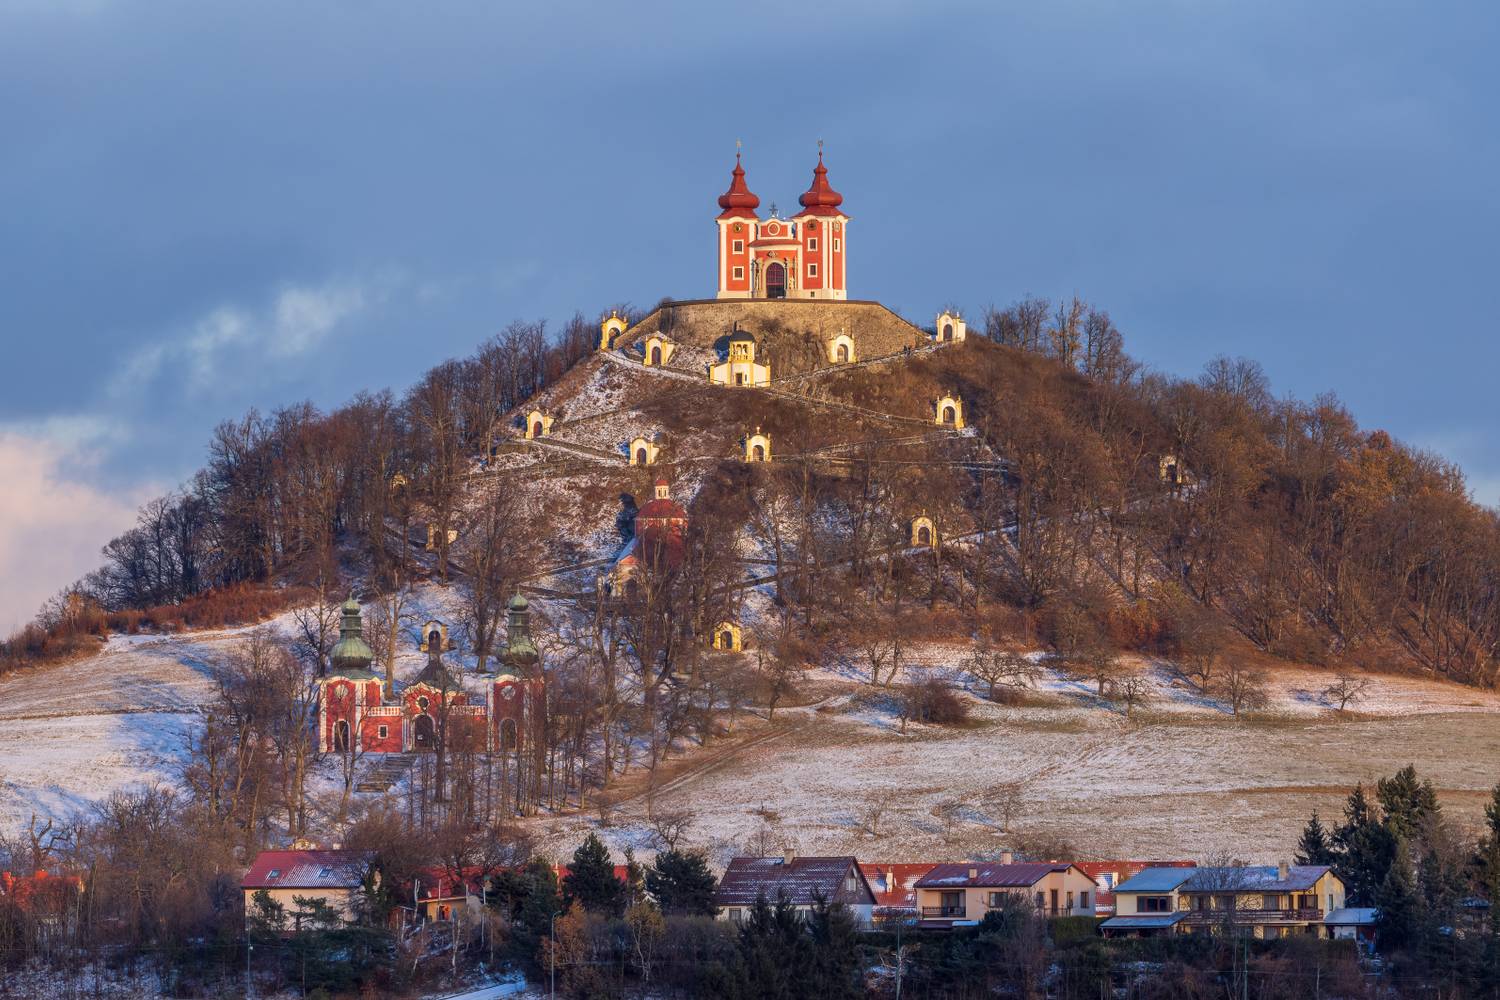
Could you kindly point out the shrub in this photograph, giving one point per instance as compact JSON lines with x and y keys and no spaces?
{"x":935,"y":702}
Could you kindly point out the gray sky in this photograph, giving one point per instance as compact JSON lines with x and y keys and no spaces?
{"x":210,"y":207}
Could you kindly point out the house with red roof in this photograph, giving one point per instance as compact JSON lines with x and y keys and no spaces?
{"x":336,"y":876}
{"x":895,"y":886}
{"x":41,"y":895}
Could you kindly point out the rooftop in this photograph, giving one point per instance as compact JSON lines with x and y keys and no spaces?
{"x":981,"y":874}
{"x":798,"y":879}
{"x":316,"y":869}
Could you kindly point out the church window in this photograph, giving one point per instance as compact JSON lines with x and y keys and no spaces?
{"x":812,"y":243}
{"x":508,"y":739}
{"x":382,"y":731}
{"x":422,"y":703}
{"x":739,"y":272}
{"x":739,"y":246}
{"x":812,"y":270}
{"x":835,"y":244}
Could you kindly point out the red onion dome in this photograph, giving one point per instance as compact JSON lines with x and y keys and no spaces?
{"x":820,"y":199}
{"x":738,"y":200}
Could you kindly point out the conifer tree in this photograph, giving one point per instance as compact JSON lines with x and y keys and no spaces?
{"x":1399,"y":917}
{"x":1314,"y":847}
{"x":591,"y":879}
{"x":833,"y":962}
{"x":1407,"y":803}
{"x":1364,"y":850}
{"x":1489,"y":858}
{"x":681,"y":883}
{"x":774,"y":949}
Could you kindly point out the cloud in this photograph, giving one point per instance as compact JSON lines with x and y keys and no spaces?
{"x":292,"y":324}
{"x":52,"y":521}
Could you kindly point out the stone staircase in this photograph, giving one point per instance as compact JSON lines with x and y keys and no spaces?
{"x":385,"y":771}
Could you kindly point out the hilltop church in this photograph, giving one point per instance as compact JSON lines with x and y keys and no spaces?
{"x":797,"y":258}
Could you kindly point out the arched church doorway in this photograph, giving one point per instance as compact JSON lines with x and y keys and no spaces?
{"x":656,"y":355}
{"x":775,"y":281}
{"x":508,"y":739}
{"x":726,"y":639}
{"x":949,"y":416}
{"x":947,"y":331}
{"x":924,"y":535}
{"x":759,"y":452}
{"x":536,"y":429}
{"x":423,"y":733}
{"x":341,"y":737}
{"x":843,"y":354}
{"x":640,"y":456}
{"x":434,"y":640}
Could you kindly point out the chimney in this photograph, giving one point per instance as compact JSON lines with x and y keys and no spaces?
{"x":1284,"y":871}
{"x":1006,"y":858}
{"x":789,"y":856}
{"x":973,"y":873}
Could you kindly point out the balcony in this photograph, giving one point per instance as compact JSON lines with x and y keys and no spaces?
{"x":942,"y":912}
{"x":1244,"y":915}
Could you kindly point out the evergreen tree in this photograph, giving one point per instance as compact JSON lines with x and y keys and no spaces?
{"x":591,"y":879}
{"x":833,"y":960}
{"x":531,"y":898}
{"x":1314,"y":846}
{"x":774,"y":948}
{"x":1408,"y":803}
{"x":1364,"y":849}
{"x":1399,"y":917}
{"x":681,"y":883}
{"x":1488,"y":861}
{"x":635,"y":880}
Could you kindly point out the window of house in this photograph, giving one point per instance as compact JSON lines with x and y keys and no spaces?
{"x":812,"y":243}
{"x":1083,"y":900}
{"x":383,"y":731}
{"x":324,"y":872}
{"x":739,"y":246}
{"x":1270,"y":902}
{"x":1154,"y":904}
{"x":812,"y":270}
{"x":739,"y":273}
{"x":273,"y":873}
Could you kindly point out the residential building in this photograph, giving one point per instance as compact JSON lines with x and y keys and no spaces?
{"x":335,"y":876}
{"x":801,"y":881}
{"x":1264,"y":901}
{"x":895,"y":887}
{"x":961,"y":894}
{"x":1109,"y":874}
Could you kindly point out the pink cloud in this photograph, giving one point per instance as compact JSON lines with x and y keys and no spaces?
{"x":53,"y":522}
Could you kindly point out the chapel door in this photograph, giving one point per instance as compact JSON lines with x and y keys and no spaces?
{"x":775,"y":281}
{"x":423,"y":734}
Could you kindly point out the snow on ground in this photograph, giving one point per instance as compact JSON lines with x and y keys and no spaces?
{"x":1183,"y":777}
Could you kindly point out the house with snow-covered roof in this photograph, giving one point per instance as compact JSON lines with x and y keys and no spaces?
{"x":1263,"y":901}
{"x":335,"y":876}
{"x":800,"y":881}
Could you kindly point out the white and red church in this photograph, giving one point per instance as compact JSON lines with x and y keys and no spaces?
{"x":774,"y":258}
{"x":356,"y":714}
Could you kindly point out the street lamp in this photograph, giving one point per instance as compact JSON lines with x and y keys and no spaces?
{"x":552,"y":952}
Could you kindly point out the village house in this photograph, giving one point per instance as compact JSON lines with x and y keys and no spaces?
{"x":1262,"y":901}
{"x":801,"y":881}
{"x":956,"y":895}
{"x":335,"y":876}
{"x":895,"y":887}
{"x":1108,"y":874}
{"x":43,"y":896}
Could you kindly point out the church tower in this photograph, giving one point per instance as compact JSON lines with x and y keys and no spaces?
{"x":821,"y":232}
{"x":737,"y":230}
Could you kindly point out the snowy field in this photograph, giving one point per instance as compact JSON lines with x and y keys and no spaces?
{"x":1183,"y":778}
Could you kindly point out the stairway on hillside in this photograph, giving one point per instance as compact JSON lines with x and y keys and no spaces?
{"x":385,"y":771}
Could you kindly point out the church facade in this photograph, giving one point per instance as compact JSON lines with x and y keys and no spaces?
{"x":798,"y":258}
{"x":357,"y":715}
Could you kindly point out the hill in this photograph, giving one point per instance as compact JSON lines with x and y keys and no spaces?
{"x":1185,"y":556}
